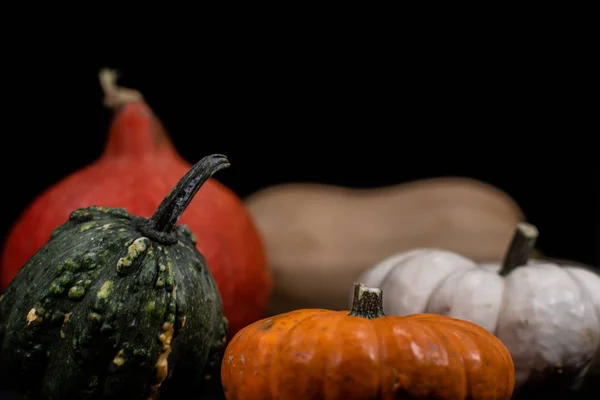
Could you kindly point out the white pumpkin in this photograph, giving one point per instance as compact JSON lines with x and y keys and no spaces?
{"x":547,"y":315}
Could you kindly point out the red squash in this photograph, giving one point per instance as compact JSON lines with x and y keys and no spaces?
{"x":137,"y":169}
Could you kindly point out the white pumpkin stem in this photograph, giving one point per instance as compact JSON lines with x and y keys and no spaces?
{"x":520,"y":249}
{"x":367,"y":303}
{"x":114,"y":95}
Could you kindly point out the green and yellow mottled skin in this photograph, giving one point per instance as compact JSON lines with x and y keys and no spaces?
{"x":103,"y":311}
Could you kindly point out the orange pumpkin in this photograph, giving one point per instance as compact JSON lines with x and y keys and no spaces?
{"x":364,"y":354}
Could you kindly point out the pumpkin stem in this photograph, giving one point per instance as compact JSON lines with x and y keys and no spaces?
{"x":162,"y":223}
{"x":521,"y":246}
{"x":367,"y":302}
{"x":114,"y":95}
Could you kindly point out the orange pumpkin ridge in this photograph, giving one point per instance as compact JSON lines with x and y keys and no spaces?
{"x":364,"y":354}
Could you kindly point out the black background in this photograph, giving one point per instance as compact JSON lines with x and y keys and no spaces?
{"x":363,"y":104}
{"x":290,"y":112}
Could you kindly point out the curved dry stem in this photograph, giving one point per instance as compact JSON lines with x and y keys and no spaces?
{"x":114,"y":95}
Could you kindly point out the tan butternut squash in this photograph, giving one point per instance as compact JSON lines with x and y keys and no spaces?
{"x":320,"y":238}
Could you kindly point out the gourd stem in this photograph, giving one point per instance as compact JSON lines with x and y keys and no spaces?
{"x":167,"y":214}
{"x":114,"y":95}
{"x":521,"y":246}
{"x":367,"y":302}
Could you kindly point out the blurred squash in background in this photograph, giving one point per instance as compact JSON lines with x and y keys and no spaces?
{"x":319,"y":238}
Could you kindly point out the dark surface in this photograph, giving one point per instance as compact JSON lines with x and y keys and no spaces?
{"x":560,"y":387}
{"x":214,"y":393}
{"x":10,"y":395}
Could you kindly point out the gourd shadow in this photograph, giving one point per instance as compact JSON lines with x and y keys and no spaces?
{"x":557,"y":386}
{"x":212,"y":391}
{"x":10,"y":395}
